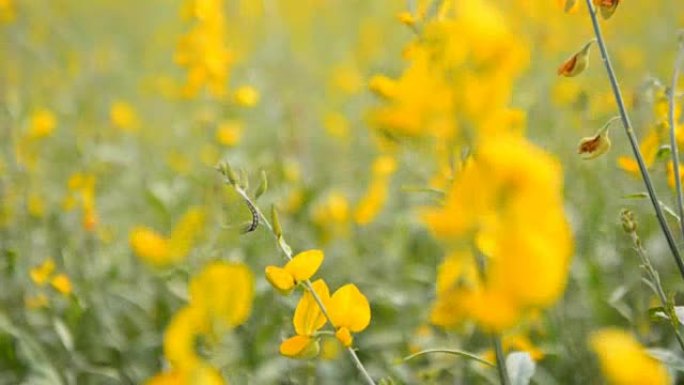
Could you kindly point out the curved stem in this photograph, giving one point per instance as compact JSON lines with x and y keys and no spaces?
{"x":674,"y":150}
{"x":451,"y":351}
{"x":288,"y":255}
{"x":633,"y":139}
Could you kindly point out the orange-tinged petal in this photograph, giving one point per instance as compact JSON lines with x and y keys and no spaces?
{"x":305,"y":264}
{"x":349,"y":308}
{"x":280,"y":278}
{"x":299,"y":347}
{"x":308,"y":316}
{"x":344,"y":336}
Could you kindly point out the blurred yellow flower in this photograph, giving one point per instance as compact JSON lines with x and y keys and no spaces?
{"x":624,"y":361}
{"x":229,"y":132}
{"x":224,"y":292}
{"x":508,"y":203}
{"x":123,"y":116}
{"x":7,"y":11}
{"x":246,"y":96}
{"x":180,"y":338}
{"x":150,"y":246}
{"x":300,"y":268}
{"x":41,"y":273}
{"x":62,"y":284}
{"x":42,"y":124}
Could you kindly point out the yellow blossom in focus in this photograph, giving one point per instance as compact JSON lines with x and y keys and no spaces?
{"x":349,"y":312}
{"x":300,"y":268}
{"x":308,"y":318}
{"x":246,"y":96}
{"x":123,"y":116}
{"x":624,"y":361}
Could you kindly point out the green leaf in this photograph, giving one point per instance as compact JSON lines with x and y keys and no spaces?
{"x":667,"y":357}
{"x":520,"y":368}
{"x":461,"y":353}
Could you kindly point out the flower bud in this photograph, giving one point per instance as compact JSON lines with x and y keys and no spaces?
{"x":576,"y":64}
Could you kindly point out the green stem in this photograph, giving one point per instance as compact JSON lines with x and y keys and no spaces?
{"x":500,"y":361}
{"x":633,"y":139}
{"x":655,"y":283}
{"x":288,"y":255}
{"x":450,"y":351}
{"x":674,"y":150}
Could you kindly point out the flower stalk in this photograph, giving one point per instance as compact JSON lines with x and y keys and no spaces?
{"x":287,"y":252}
{"x":673,"y":139}
{"x":629,"y":130}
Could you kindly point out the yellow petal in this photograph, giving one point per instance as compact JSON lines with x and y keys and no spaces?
{"x":280,"y":279}
{"x":224,"y":291}
{"x":308,"y":316}
{"x":305,"y":264}
{"x":344,"y":336}
{"x":349,"y":308}
{"x":299,"y":347}
{"x":42,"y":272}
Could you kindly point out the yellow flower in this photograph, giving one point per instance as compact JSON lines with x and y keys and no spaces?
{"x":349,"y":312}
{"x":507,"y":203}
{"x":201,"y":375}
{"x":43,"y":123}
{"x":186,"y":232}
{"x":308,"y":318}
{"x":180,"y":338}
{"x":123,"y":116}
{"x":224,"y":292}
{"x":624,"y":361}
{"x":41,"y":273}
{"x":150,"y":246}
{"x":246,"y":96}
{"x":300,"y":268}
{"x":62,"y":284}
{"x":229,"y":132}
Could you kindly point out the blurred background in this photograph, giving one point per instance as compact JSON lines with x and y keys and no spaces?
{"x":113,"y":115}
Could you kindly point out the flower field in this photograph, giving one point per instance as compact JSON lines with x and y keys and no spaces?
{"x":332,"y":192}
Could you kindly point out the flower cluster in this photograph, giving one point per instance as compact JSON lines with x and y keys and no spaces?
{"x":503,"y":218}
{"x":347,"y":309}
{"x":202,"y":51}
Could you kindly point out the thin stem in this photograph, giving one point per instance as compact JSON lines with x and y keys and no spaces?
{"x":450,"y":351}
{"x":633,"y":139}
{"x":673,"y":140}
{"x":288,"y":255}
{"x":500,"y":361}
{"x":653,"y":276}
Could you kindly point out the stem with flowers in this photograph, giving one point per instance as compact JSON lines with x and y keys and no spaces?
{"x":629,"y":130}
{"x":276,"y":231}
